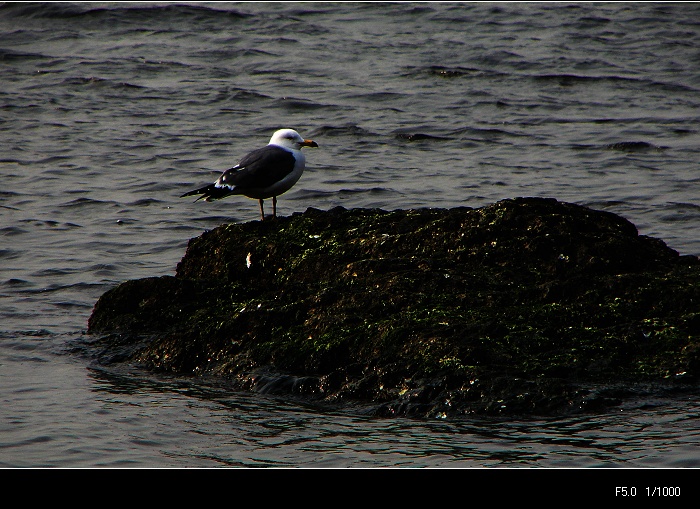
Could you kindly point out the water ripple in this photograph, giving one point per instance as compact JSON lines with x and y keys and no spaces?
{"x":109,"y":113}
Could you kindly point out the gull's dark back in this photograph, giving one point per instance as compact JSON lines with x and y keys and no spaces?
{"x":260,"y":168}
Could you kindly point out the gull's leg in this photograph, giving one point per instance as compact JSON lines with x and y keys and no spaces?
{"x":274,"y":206}
{"x":262,"y":212}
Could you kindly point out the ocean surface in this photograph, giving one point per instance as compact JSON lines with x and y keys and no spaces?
{"x":110,"y":111}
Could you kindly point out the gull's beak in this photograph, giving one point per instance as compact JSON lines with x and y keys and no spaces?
{"x":309,"y":143}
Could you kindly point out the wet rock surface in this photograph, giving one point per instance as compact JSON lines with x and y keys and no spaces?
{"x":528,"y":306}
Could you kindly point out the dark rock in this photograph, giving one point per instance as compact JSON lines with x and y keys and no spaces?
{"x":520,"y":307}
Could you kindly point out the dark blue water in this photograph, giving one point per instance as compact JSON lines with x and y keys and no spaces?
{"x":110,"y":111}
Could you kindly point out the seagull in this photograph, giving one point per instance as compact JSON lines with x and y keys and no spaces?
{"x":264,"y":173}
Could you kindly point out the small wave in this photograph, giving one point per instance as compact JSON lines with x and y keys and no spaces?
{"x":240,"y":95}
{"x":34,"y":333}
{"x":145,"y":202}
{"x":371,"y":190}
{"x":484,"y":133}
{"x":102,"y":82}
{"x":38,"y":222}
{"x":8,"y":194}
{"x":683,"y":131}
{"x":684,"y":207}
{"x":212,"y":220}
{"x":72,"y":304}
{"x":634,"y":146}
{"x":233,"y":53}
{"x":682,"y":213}
{"x":344,"y":130}
{"x":60,"y":10}
{"x":378,"y":97}
{"x":294,"y":104}
{"x":603,"y":204}
{"x":57,"y":287}
{"x":452,"y":72}
{"x":40,"y":10}
{"x":179,"y":11}
{"x":11,"y":230}
{"x":52,"y":159}
{"x":16,"y":283}
{"x":314,"y":193}
{"x":9,"y":254}
{"x":9,"y":55}
{"x":589,"y":22}
{"x":410,"y":136}
{"x":567,"y":80}
{"x":104,"y":269}
{"x":502,"y":57}
{"x":83,"y":202}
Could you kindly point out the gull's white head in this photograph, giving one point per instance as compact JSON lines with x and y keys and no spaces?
{"x":289,"y":138}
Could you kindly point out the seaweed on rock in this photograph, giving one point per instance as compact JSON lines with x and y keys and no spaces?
{"x":525,"y":306}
